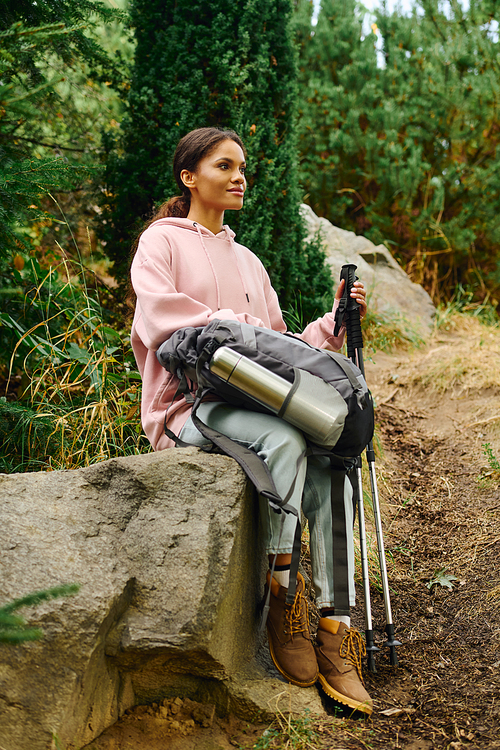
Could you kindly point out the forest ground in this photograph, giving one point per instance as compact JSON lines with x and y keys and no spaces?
{"x":437,"y":407}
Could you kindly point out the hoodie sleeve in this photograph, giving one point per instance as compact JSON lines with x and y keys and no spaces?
{"x":319,"y":333}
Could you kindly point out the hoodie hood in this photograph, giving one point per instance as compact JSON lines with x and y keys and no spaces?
{"x":193,"y":226}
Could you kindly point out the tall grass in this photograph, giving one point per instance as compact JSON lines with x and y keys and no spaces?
{"x":81,"y":401}
{"x":384,"y":332}
{"x":381,"y":331}
{"x":462,"y":304}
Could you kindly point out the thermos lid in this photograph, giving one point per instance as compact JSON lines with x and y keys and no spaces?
{"x":223,"y":362}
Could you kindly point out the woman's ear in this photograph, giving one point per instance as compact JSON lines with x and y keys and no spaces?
{"x":188,"y":178}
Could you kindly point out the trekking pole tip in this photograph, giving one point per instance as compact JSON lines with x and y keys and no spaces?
{"x":391,"y":643}
{"x":393,"y":657}
{"x":371,"y":649}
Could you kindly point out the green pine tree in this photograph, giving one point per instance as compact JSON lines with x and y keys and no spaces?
{"x":38,"y":41}
{"x":406,"y":153}
{"x":212,"y":64}
{"x":336,"y":76}
{"x":443,"y":71}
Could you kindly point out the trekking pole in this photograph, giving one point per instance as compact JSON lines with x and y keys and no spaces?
{"x":371,"y":648}
{"x":349,"y":309}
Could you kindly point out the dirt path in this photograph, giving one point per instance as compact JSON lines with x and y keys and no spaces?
{"x":441,"y":503}
{"x":443,"y":499}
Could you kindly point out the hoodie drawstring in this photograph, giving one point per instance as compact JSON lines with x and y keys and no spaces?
{"x":211,"y":264}
{"x":231,"y":242}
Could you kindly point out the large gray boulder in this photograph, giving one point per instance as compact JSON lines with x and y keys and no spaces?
{"x":165,"y":547}
{"x":390,"y":290}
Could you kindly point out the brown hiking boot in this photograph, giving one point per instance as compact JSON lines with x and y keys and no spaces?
{"x":339,"y":652}
{"x":288,"y":632}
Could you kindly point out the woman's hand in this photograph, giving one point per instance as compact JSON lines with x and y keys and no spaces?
{"x":358,"y":292}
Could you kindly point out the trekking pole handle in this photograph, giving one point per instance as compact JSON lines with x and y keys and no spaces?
{"x":348,"y":272}
{"x":349,"y":309}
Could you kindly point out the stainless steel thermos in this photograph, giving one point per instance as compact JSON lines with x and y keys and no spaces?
{"x":313,"y":406}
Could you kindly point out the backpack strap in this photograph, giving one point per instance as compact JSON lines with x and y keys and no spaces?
{"x":339,"y":469}
{"x":352,"y":475}
{"x":351,"y":376}
{"x":339,"y":533}
{"x":254,"y":467}
{"x":184,"y":390}
{"x":294,"y":568}
{"x":258,"y":472}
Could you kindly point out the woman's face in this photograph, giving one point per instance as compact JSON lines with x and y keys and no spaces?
{"x":219,"y":181}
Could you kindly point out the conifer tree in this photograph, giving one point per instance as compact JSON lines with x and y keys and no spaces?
{"x":76,"y":17}
{"x":406,"y":153}
{"x":23,"y":180}
{"x":443,"y":71}
{"x":337,"y":75}
{"x":30,"y":34}
{"x":206,"y":63}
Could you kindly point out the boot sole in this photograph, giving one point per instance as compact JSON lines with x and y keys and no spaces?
{"x":363,"y":707}
{"x":288,"y":677}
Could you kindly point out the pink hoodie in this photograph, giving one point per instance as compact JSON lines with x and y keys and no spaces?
{"x":184,"y":275}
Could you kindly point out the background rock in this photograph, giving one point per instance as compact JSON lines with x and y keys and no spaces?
{"x":390,"y":290}
{"x":165,"y":547}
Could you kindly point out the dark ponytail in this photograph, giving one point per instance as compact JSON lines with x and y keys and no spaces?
{"x":177,"y":206}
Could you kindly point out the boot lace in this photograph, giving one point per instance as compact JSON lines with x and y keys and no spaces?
{"x":353,"y":649}
{"x":297,"y":616}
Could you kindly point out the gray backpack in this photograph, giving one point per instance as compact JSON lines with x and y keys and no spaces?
{"x":326,"y":389}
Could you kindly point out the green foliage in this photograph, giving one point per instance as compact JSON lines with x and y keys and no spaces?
{"x":57,"y":743}
{"x":51,"y":105}
{"x":462,"y":302}
{"x":22,"y":181}
{"x":77,"y":20}
{"x":17,"y":44}
{"x":493,"y":461}
{"x":386,"y":332}
{"x":213,"y":64}
{"x":40,"y":44}
{"x":442,"y":578}
{"x":23,"y":186}
{"x":408,"y":153}
{"x":67,"y":70}
{"x":336,"y":68}
{"x":13,"y":628}
{"x":25,"y":435}
{"x":290,"y":732}
{"x":73,"y":370}
{"x":73,"y":375}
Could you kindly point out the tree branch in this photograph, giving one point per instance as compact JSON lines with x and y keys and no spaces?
{"x":48,"y":145}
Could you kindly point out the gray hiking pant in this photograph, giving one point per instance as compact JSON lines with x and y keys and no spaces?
{"x":280,"y":445}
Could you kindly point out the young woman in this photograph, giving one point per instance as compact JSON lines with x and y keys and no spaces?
{"x":187,"y":271}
